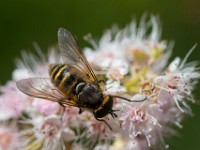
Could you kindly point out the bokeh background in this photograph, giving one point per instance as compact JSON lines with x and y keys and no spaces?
{"x":25,"y":21}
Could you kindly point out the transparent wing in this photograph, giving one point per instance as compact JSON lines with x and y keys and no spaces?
{"x":42,"y":88}
{"x":72,"y":54}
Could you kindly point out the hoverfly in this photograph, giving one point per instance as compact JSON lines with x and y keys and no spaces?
{"x":72,"y":83}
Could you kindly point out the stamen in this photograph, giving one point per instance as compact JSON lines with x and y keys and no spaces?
{"x":187,"y":56}
{"x":177,"y":104}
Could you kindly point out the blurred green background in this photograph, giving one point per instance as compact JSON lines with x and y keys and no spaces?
{"x":25,"y":21}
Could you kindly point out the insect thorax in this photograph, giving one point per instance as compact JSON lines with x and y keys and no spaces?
{"x":89,"y":95}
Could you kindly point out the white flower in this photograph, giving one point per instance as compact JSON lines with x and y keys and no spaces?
{"x":179,"y":81}
{"x":140,"y":120}
{"x":47,"y":133}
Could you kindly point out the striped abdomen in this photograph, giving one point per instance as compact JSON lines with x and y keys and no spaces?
{"x":64,"y":77}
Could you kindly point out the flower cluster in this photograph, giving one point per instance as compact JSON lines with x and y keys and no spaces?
{"x":133,"y":62}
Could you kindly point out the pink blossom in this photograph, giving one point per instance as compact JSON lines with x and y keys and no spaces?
{"x":12,"y":101}
{"x":8,"y":137}
{"x":45,"y":107}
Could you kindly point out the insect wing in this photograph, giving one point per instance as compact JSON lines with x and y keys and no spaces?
{"x":40,"y":88}
{"x":72,"y":54}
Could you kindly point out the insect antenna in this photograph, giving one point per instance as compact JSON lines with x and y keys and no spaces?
{"x":129,"y":100}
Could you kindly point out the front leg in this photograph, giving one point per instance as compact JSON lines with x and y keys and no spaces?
{"x":63,"y":111}
{"x":81,"y":111}
{"x":104,"y":122}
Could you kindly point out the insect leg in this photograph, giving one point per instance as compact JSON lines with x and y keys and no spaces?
{"x":80,"y":111}
{"x":102,"y":81}
{"x":113,"y":114}
{"x":63,"y":111}
{"x":105,"y":123}
{"x":102,"y":84}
